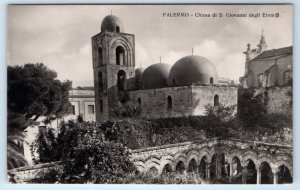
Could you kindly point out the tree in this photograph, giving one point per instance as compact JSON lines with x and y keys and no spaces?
{"x":220,"y":119}
{"x":87,"y":157}
{"x":33,"y":92}
{"x":44,"y":148}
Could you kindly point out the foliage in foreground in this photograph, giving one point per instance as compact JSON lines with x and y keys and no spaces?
{"x":53,"y":176}
{"x":32,"y":92}
{"x":86,"y":156}
{"x":166,"y":178}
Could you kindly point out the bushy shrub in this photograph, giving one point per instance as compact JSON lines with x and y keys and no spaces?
{"x":86,"y":156}
{"x":127,"y":109}
{"x":100,"y":162}
{"x":167,"y":178}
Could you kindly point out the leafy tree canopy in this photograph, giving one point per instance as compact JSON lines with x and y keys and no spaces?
{"x":34,"y":91}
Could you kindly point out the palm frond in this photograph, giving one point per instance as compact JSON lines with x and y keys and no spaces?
{"x":14,"y":158}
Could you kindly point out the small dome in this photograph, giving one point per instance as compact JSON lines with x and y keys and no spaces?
{"x":138,"y":73}
{"x":111,"y":23}
{"x":193,"y":69}
{"x":155,"y":76}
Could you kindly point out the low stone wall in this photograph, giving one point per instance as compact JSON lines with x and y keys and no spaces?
{"x":27,"y":173}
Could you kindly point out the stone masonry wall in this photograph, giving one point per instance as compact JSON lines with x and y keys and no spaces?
{"x":203,"y":95}
{"x":277,"y":99}
{"x":186,"y":100}
{"x":154,"y":101}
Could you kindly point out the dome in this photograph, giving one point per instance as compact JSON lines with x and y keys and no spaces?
{"x":155,"y":76}
{"x":193,"y":69}
{"x":139,"y":73}
{"x":111,"y":23}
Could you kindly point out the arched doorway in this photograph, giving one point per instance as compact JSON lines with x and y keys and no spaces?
{"x":180,"y":167}
{"x":213,"y":167}
{"x":120,"y":56}
{"x":202,"y":167}
{"x":153,"y":171}
{"x":251,"y":173}
{"x":236,"y":170}
{"x":217,"y":167}
{"x":284,"y":175}
{"x":224,"y":171}
{"x":192,"y":167}
{"x":216,"y":100}
{"x":167,"y":168}
{"x":121,"y":80}
{"x":266,"y":173}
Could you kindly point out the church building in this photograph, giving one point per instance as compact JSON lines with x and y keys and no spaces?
{"x":267,"y":68}
{"x":161,"y":90}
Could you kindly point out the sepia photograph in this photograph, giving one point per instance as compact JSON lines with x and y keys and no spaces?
{"x":150,"y":94}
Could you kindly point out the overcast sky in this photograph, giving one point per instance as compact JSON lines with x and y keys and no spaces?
{"x":60,"y":35}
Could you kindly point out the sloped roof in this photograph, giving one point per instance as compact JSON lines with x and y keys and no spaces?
{"x":275,"y":53}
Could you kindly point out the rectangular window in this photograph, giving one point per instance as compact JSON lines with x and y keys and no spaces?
{"x":73,"y":109}
{"x":91,"y":109}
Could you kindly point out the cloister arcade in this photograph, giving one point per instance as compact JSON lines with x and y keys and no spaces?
{"x":239,"y":165}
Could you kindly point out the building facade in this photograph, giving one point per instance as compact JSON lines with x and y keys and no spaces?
{"x":267,"y":68}
{"x":83,"y":104}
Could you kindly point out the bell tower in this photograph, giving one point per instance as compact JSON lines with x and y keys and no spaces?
{"x":262,"y":46}
{"x":113,"y":63}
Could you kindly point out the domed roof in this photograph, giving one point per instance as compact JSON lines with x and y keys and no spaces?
{"x":111,"y":23}
{"x":193,"y":69}
{"x":138,"y":73}
{"x":155,"y":76}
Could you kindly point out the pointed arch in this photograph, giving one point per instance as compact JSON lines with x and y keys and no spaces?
{"x":120,"y":56}
{"x":128,"y":48}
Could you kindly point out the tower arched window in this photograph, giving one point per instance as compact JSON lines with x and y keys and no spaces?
{"x":100,"y":56}
{"x":118,"y":29}
{"x":211,"y":80}
{"x":120,"y":56}
{"x":101,"y":106}
{"x":287,"y":77}
{"x":169,"y":102}
{"x":174,"y":82}
{"x":216,"y":100}
{"x":121,"y":80}
{"x":100,"y":81}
